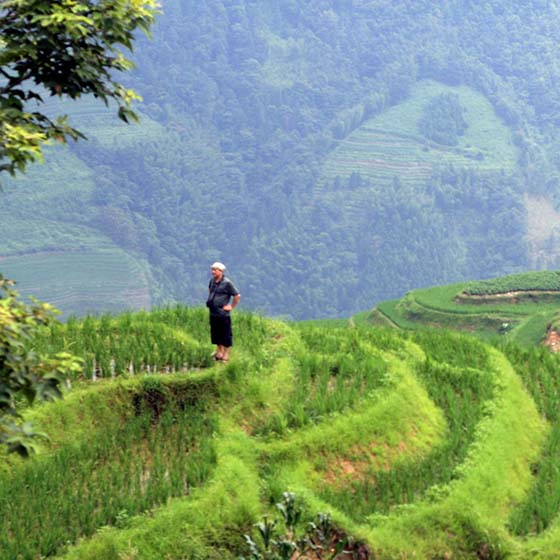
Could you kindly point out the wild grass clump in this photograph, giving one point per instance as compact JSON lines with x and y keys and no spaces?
{"x":286,"y":536}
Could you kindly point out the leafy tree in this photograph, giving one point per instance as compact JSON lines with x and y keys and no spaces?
{"x":24,"y":374}
{"x":443,"y":120}
{"x":65,"y":48}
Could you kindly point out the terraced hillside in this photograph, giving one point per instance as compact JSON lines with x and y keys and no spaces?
{"x":109,"y":278}
{"x":100,"y":124}
{"x":432,"y":445}
{"x":52,"y":240}
{"x":521,"y":307}
{"x":391,"y":143}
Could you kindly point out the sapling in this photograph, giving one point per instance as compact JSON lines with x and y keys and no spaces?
{"x":317,"y":541}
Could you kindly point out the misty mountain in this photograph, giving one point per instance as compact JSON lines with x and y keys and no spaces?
{"x":332,"y":153}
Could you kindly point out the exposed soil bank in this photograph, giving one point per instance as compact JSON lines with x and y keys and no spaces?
{"x":516,"y":296}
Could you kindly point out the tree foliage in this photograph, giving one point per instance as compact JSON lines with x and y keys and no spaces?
{"x":443,"y":120}
{"x":25,"y":376}
{"x":65,"y":48}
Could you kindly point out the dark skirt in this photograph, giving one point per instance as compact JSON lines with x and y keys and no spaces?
{"x":220,"y":331}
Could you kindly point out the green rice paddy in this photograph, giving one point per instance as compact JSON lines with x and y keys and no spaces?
{"x":519,"y":307}
{"x":390,"y":145}
{"x":419,"y":444}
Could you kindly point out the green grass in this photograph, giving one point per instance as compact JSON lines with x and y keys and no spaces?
{"x":538,"y":370}
{"x":421,"y":444}
{"x":523,"y":319}
{"x":461,"y":394}
{"x":388,"y":311}
{"x":136,"y":448}
{"x":390,"y":143}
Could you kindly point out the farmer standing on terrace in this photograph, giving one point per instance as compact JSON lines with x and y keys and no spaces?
{"x":223,"y":296}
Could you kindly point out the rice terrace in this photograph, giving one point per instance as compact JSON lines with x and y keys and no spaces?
{"x":403,"y":442}
{"x":391,"y":143}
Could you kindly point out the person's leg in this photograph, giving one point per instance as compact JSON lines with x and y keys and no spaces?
{"x":215,"y":336}
{"x":227,"y":338}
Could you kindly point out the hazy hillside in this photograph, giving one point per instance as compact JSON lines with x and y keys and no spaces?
{"x":343,"y":152}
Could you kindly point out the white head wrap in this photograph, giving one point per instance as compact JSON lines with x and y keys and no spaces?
{"x":219,"y":266}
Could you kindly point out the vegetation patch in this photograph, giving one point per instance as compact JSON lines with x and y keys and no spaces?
{"x":412,"y":139}
{"x":443,"y":120}
{"x":462,"y":395}
{"x":521,"y":307}
{"x":129,"y":455}
{"x":421,"y":443}
{"x":542,"y":281}
{"x":360,"y":460}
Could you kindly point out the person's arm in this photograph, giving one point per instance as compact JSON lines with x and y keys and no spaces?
{"x":233,"y":304}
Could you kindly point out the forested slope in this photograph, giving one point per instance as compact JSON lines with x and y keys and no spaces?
{"x":341,"y":152}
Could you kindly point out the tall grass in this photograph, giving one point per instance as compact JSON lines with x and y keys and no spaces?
{"x":461,"y":391}
{"x":170,"y":339}
{"x":153,"y":449}
{"x":334,"y":371}
{"x":122,"y":446}
{"x":538,"y":368}
{"x":294,"y":403}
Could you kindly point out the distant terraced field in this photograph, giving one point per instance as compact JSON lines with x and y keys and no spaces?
{"x":521,"y":307}
{"x":98,"y":122}
{"x":51,"y":244}
{"x":82,"y":281}
{"x":390,"y":145}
